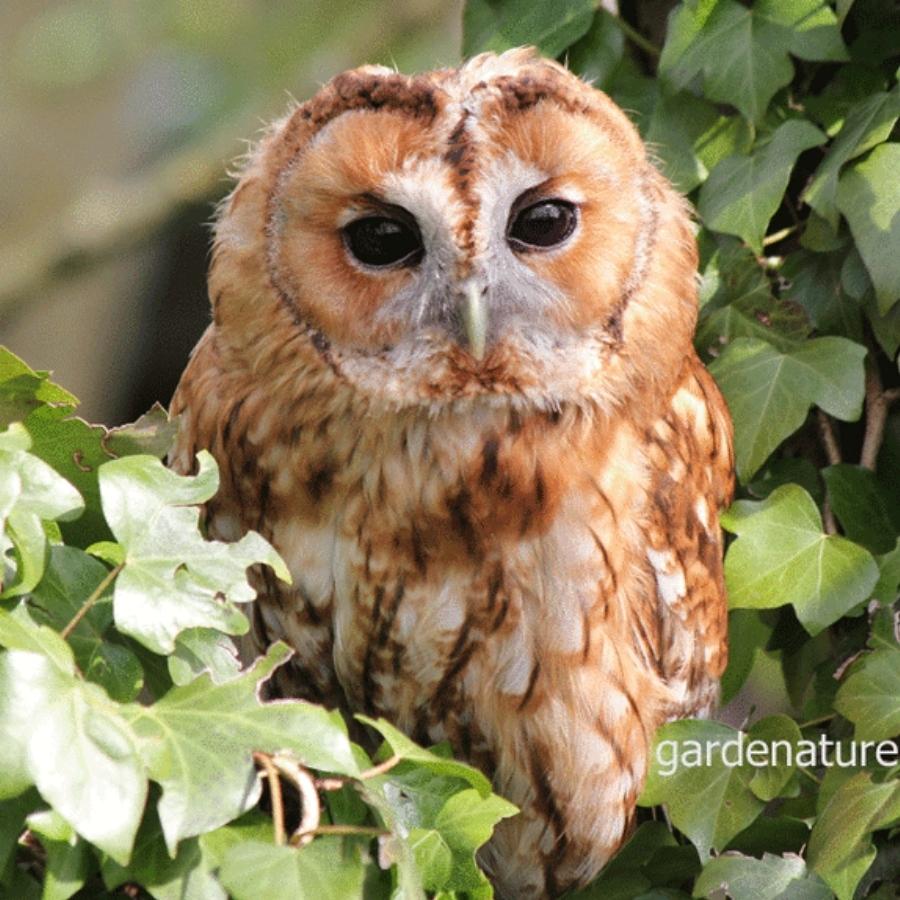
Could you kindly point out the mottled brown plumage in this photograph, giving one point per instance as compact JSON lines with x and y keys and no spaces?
{"x":493,"y":468}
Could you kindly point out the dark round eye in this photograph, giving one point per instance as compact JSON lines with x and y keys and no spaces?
{"x":543,"y":224}
{"x":381,"y":241}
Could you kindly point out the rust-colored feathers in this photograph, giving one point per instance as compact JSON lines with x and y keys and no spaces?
{"x":513,"y":546}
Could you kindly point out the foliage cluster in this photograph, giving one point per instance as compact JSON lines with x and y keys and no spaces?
{"x":133,"y":748}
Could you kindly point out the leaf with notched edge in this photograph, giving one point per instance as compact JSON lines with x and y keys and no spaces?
{"x":198,"y":743}
{"x":769,"y":392}
{"x":173,"y":578}
{"x":782,"y":555}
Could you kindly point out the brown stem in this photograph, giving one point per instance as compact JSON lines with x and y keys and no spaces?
{"x":828,"y":438}
{"x":96,"y":594}
{"x":372,"y":830}
{"x":380,"y":769}
{"x":877,"y":403}
{"x":309,"y":798}
{"x":264,"y":760}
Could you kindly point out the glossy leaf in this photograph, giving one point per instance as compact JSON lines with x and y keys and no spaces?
{"x":782,"y":555}
{"x":769,"y":392}
{"x":173,"y":578}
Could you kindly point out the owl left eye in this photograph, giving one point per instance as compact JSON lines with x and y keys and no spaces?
{"x":543,"y":224}
{"x":383,"y":241}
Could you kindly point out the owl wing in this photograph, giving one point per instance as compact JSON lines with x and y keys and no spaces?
{"x":691,"y":460}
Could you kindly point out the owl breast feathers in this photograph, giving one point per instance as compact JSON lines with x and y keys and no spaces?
{"x":450,"y":376}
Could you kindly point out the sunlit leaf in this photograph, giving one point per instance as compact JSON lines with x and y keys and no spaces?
{"x":173,"y":578}
{"x":782,"y":555}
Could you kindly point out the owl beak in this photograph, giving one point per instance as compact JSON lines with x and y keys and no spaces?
{"x":473,"y":311}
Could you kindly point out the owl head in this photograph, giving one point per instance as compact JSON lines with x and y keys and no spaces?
{"x":494,"y":233}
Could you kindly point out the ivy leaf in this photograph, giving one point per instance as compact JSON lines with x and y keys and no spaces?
{"x":743,"y":53}
{"x":814,"y":282}
{"x":68,"y":858}
{"x":30,"y":493}
{"x":869,"y":122}
{"x":67,"y":737}
{"x":488,"y":25}
{"x":70,"y":445}
{"x":70,"y":578}
{"x":400,"y":745}
{"x":198,"y":743}
{"x":185,"y":876}
{"x":769,"y":391}
{"x":692,"y":771}
{"x":868,"y":696}
{"x":770,"y":780}
{"x":869,"y":197}
{"x":858,"y":500}
{"x":783,"y":556}
{"x":174,"y":579}
{"x":330,"y":868}
{"x":840,"y":849}
{"x":675,"y":126}
{"x":742,"y":193}
{"x":199,"y":650}
{"x":769,"y":878}
{"x":597,"y":54}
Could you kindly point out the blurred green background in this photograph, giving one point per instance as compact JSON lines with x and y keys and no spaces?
{"x":118,"y":122}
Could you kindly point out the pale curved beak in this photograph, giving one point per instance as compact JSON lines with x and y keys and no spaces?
{"x":473,"y":311}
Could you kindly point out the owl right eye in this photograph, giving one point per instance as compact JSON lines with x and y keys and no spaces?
{"x":382,"y":241}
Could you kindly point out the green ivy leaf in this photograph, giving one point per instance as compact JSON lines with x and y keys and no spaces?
{"x":433,"y":857}
{"x":23,"y":390}
{"x":186,"y":876}
{"x":782,"y":735}
{"x":858,"y":500}
{"x":400,"y":745}
{"x":783,"y":556}
{"x":742,"y":193}
{"x":598,"y":53}
{"x":869,"y":122}
{"x":709,"y":803}
{"x":68,"y":857}
{"x":30,"y":494}
{"x":198,"y":743}
{"x":330,"y":868}
{"x":814,"y":281}
{"x":742,"y":52}
{"x":747,"y":634}
{"x":888,"y":586}
{"x":769,"y":392}
{"x":67,"y":737}
{"x":840,"y":847}
{"x":869,"y":197}
{"x":70,"y":578}
{"x":173,"y":578}
{"x":488,"y":25}
{"x":769,"y":878}
{"x":868,"y":696}
{"x":200,"y":650}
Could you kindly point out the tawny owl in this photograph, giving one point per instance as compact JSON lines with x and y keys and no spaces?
{"x":450,"y":376}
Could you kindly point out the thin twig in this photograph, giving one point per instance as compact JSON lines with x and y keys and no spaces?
{"x":779,"y":235}
{"x":833,"y":455}
{"x":635,"y":36}
{"x":265,"y":761}
{"x":96,"y":594}
{"x":829,"y":439}
{"x":380,"y":769}
{"x":817,"y":721}
{"x":369,"y":830}
{"x":809,"y":774}
{"x":877,"y":402}
{"x":311,"y":812}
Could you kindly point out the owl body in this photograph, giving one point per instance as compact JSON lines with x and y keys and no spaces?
{"x":450,"y":376}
